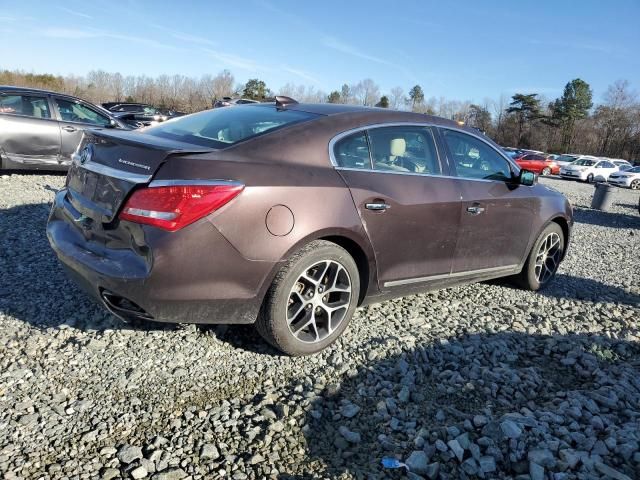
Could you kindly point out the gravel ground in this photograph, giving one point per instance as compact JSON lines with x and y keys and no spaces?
{"x":481,"y":381}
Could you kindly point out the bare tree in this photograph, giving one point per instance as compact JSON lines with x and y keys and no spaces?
{"x":396,"y":98}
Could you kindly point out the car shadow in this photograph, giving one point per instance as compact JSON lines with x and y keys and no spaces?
{"x":463,"y":394}
{"x":591,"y":216}
{"x":569,"y":287}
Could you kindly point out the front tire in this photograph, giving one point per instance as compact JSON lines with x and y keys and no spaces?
{"x":311,"y":299}
{"x":635,"y":185}
{"x":546,"y":171}
{"x":590,"y":178}
{"x":543,"y":260}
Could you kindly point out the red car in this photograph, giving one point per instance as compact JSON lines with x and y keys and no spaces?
{"x":538,"y":163}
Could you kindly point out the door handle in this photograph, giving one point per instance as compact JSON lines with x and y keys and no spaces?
{"x":377,"y":207}
{"x":69,"y":128}
{"x":475,"y":210}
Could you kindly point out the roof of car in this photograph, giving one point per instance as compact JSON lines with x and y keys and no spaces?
{"x":28,"y":89}
{"x":379,"y":114}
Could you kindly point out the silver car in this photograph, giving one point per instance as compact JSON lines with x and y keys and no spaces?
{"x":626,"y":178}
{"x":40,"y":129}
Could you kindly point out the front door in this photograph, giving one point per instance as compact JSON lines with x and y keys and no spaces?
{"x":29,"y":135}
{"x":75,"y":116}
{"x":496,"y":213}
{"x":409,"y":209}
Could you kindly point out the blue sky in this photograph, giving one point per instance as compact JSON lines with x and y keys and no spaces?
{"x":465,"y":50}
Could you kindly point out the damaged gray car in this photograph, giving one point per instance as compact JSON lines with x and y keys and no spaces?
{"x":40,"y":129}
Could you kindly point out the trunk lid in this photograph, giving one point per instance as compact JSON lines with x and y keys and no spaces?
{"x":109,"y":164}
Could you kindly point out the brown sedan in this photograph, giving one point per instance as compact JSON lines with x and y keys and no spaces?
{"x":290,"y":216}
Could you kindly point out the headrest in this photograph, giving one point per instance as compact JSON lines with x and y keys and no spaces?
{"x":398,"y":147}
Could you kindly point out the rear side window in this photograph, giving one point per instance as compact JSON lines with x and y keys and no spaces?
{"x":223,"y":127}
{"x":404,"y":149}
{"x":353,"y":152}
{"x":27,"y":105}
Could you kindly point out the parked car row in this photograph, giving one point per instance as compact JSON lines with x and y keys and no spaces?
{"x":140,"y":114}
{"x":586,"y":168}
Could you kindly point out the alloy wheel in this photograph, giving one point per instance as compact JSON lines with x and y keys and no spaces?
{"x":548,"y":257}
{"x":319,"y":301}
{"x":546,"y":171}
{"x":635,"y":185}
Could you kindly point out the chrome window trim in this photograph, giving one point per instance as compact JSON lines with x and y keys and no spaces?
{"x":172,"y":183}
{"x":375,"y":126}
{"x":110,"y":171}
{"x":413,"y":174}
{"x":408,"y":281}
{"x":515,"y":168}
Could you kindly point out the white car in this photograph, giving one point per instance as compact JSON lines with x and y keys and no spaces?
{"x":588,"y":170}
{"x":620,"y":163}
{"x":627,"y":178}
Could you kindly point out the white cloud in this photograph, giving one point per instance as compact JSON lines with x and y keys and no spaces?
{"x":76,"y":34}
{"x":340,"y":46}
{"x":301,"y":74}
{"x":230,"y":59}
{"x":75,"y":12}
{"x":193,"y":39}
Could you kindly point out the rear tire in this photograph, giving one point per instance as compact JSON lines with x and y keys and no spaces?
{"x":543,"y":260}
{"x":635,"y":185}
{"x":590,"y":178}
{"x":311,"y":300}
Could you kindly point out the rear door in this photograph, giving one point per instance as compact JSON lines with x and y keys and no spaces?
{"x":29,"y":134}
{"x":408,"y":207}
{"x":75,"y":116}
{"x":496,"y":213}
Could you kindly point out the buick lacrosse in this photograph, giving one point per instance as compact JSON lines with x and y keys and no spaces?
{"x":291,"y":215}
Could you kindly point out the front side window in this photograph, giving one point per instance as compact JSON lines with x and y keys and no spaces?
{"x":76,"y":112}
{"x":353,"y":152}
{"x":475,"y":159}
{"x":404,"y":149}
{"x":584,"y":162}
{"x":223,"y":127}
{"x":27,"y":105}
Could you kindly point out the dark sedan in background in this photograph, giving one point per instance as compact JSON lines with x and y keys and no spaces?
{"x":40,"y":129}
{"x":291,"y":215}
{"x":140,"y":114}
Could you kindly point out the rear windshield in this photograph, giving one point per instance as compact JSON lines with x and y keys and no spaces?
{"x":222,"y":127}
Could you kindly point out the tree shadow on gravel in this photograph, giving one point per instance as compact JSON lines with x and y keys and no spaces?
{"x":480,"y":406}
{"x":606,"y":219}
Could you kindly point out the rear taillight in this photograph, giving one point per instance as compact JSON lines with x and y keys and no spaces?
{"x":176,"y":206}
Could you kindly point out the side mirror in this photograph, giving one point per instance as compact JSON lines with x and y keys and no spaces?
{"x":112,"y":124}
{"x":526,"y":178}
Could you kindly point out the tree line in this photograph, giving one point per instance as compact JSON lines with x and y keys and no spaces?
{"x":569,"y":123}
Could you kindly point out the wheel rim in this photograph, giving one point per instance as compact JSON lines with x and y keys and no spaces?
{"x":635,"y":185}
{"x":590,"y":178}
{"x":318,"y":301}
{"x":546,"y":171}
{"x":548,"y":257}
